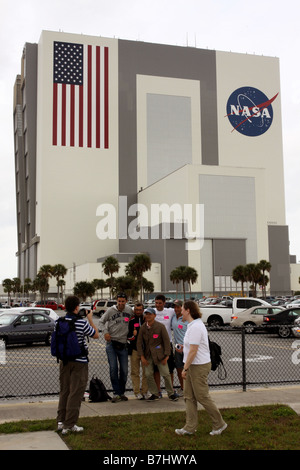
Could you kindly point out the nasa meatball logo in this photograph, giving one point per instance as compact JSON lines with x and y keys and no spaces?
{"x":250,"y":111}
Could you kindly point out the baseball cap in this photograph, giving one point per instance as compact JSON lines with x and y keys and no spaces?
{"x":150,"y":310}
{"x":178,"y":302}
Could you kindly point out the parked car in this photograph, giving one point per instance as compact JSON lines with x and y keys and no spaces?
{"x":296,"y":328}
{"x":28,"y":327}
{"x":100,"y":306}
{"x":86,"y":305}
{"x":282,"y":322}
{"x":253,"y":317}
{"x":47,"y":304}
{"x":48,"y":311}
{"x":294,"y":303}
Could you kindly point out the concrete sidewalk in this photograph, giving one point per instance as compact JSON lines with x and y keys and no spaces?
{"x":50,"y":440}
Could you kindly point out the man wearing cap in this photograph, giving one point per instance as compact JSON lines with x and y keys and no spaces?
{"x":179,"y":327}
{"x":153,"y":346}
{"x":114,"y":324}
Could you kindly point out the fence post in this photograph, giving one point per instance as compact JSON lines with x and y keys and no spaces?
{"x":243,"y":359}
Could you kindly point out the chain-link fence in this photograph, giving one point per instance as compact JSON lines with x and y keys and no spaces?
{"x":249,"y":359}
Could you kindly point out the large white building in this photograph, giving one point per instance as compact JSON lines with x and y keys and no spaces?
{"x":114,"y":136}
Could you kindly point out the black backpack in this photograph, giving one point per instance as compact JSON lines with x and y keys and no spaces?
{"x":216,"y":359}
{"x":97,"y":390}
{"x":64,"y":341}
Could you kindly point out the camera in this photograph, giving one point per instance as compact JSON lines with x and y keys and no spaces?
{"x":82,"y":313}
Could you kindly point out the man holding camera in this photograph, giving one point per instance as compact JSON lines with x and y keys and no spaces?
{"x":114,"y":324}
{"x":73,"y":375}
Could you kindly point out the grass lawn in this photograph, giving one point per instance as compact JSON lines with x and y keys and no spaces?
{"x":273,"y":427}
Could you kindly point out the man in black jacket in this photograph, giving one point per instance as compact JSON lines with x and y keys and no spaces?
{"x":135,"y":323}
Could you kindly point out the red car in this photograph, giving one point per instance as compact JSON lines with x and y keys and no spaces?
{"x":47,"y":304}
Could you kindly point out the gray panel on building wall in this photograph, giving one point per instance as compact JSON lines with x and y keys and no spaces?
{"x":169,"y":134}
{"x":162,"y":61}
{"x":175,"y":255}
{"x":227,"y":254}
{"x":206,"y":267}
{"x":279,"y":258}
{"x":170,"y":253}
{"x":230,"y":209}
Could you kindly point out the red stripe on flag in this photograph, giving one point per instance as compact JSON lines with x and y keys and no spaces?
{"x":63,"y":114}
{"x":81,"y":116}
{"x":89,"y":111}
{"x":72,"y":116}
{"x":106,"y":98}
{"x":54,"y":117}
{"x":97,"y":97}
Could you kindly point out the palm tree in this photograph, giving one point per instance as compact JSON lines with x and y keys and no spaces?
{"x":253,"y":275}
{"x":128,"y":285}
{"x":140,"y":264}
{"x":110,"y":266}
{"x":192,"y":277}
{"x":239,"y":275}
{"x":27,"y":285}
{"x":184,"y":277}
{"x":84,"y":289}
{"x":99,"y":284}
{"x":45,"y":272}
{"x":60,"y":284}
{"x":59,"y":271}
{"x":41,"y":284}
{"x":175,"y":278}
{"x":264,"y":266}
{"x":16,"y":285}
{"x":148,"y":286}
{"x":8,"y":287}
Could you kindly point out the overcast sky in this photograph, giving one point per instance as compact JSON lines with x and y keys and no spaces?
{"x":262,"y":27}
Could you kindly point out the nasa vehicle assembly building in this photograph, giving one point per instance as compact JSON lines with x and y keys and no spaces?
{"x":124,"y":147}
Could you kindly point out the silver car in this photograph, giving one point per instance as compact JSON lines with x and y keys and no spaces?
{"x":27,"y":327}
{"x":253,"y":317}
{"x":52,"y":314}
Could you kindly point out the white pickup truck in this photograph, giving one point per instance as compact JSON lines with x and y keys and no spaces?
{"x":219,"y":315}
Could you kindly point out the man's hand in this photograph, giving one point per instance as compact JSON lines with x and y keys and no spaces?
{"x":144,"y":361}
{"x":107,"y":337}
{"x":165,"y":360}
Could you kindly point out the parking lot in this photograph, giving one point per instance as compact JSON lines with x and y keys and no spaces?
{"x":258,"y":359}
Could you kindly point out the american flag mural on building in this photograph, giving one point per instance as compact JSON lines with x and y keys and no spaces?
{"x":80,"y":95}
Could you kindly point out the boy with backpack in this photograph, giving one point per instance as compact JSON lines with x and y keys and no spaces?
{"x":69,"y":346}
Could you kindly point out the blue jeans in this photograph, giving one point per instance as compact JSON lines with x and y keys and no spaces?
{"x":118,"y":372}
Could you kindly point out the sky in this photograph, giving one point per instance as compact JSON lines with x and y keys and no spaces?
{"x":261,"y":27}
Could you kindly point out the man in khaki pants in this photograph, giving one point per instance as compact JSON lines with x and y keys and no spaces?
{"x":153,"y":348}
{"x":140,"y":387}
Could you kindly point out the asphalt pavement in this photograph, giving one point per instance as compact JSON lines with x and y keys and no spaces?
{"x":46,"y":409}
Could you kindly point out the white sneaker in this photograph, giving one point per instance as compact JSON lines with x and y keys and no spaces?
{"x":182,"y":431}
{"x":75,"y":428}
{"x":60,"y":426}
{"x":215,"y":432}
{"x":139,"y":396}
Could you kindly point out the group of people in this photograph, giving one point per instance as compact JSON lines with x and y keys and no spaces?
{"x":145,"y":335}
